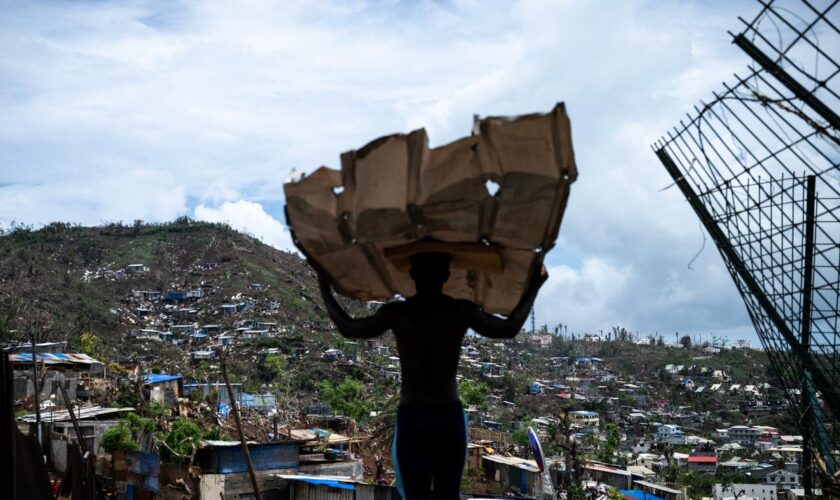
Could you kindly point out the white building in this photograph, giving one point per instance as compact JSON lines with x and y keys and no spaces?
{"x":582,"y":418}
{"x":745,"y":492}
{"x":539,"y":341}
{"x":783,"y":479}
{"x":749,"y":436}
{"x":742,"y":344}
{"x":670,"y":433}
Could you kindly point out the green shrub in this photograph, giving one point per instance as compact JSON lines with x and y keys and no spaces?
{"x":181,"y":440}
{"x":118,"y":438}
{"x":214,"y":433}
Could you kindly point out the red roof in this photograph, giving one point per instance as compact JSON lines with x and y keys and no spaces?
{"x":702,"y":459}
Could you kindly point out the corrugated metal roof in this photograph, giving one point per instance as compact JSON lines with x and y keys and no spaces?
{"x":266,"y":456}
{"x":52,"y":358}
{"x":659,"y":487}
{"x":604,"y":468}
{"x":210,"y":443}
{"x":81,"y":414}
{"x":519,"y":463}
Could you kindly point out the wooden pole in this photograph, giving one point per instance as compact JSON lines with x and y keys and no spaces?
{"x":37,"y":389}
{"x":242,"y":440}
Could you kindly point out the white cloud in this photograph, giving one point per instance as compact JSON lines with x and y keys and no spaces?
{"x":134,"y":193}
{"x":155,"y":109}
{"x":583,"y":298}
{"x":251,"y":218}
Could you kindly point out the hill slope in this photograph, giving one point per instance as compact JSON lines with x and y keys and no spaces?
{"x":68,"y":279}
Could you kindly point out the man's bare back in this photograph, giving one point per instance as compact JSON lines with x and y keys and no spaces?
{"x":429,"y":328}
{"x":429,"y":332}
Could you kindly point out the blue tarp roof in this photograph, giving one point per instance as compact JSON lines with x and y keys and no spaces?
{"x":157,"y":378}
{"x":329,"y":482}
{"x":641,"y":495}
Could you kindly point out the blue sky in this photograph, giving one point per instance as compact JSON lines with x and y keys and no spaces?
{"x":152,"y":110}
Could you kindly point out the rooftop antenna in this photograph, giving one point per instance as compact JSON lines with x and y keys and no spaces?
{"x":533,"y":322}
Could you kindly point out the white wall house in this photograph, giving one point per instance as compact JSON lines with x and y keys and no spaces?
{"x":670,"y":433}
{"x":745,"y":491}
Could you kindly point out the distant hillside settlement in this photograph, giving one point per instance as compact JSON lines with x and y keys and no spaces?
{"x":133,"y":325}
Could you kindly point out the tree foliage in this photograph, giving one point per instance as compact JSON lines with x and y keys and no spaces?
{"x":182,"y":440}
{"x":347,"y":398}
{"x":90,"y":344}
{"x":118,"y":438}
{"x":520,"y":436}
{"x":473,"y":393}
{"x":610,"y":446}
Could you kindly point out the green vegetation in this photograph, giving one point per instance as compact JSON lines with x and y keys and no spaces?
{"x":520,"y":436}
{"x":118,"y":438}
{"x":125,"y":435}
{"x":182,"y":441}
{"x":90,"y":344}
{"x":474,"y":393}
{"x":214,"y":432}
{"x":347,"y":398}
{"x":610,"y":446}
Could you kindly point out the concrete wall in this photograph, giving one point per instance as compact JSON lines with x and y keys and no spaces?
{"x":60,"y":433}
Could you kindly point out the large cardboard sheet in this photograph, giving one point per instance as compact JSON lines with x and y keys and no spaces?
{"x":396,"y":196}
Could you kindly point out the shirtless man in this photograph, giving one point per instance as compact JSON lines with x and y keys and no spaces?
{"x":430,"y":438}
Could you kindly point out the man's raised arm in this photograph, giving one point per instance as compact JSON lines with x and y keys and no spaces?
{"x":494,"y":327}
{"x":361,"y":328}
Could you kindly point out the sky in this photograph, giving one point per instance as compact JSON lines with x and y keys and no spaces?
{"x":116,"y":111}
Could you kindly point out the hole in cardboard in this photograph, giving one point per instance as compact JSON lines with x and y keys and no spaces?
{"x":337,"y":190}
{"x":492,"y":187}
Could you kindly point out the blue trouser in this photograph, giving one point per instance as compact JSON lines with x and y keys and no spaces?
{"x":430,"y":447}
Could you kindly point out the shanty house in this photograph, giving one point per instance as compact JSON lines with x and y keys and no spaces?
{"x":613,"y":476}
{"x":224,"y":472}
{"x":217,"y":389}
{"x":59,"y":430}
{"x":70,"y":370}
{"x":515,"y":473}
{"x":163,"y":388}
{"x":136,"y":268}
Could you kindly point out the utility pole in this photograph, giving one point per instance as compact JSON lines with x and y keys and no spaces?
{"x":36,"y":387}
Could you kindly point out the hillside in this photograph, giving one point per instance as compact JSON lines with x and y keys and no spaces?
{"x":63,"y":281}
{"x":66,"y":280}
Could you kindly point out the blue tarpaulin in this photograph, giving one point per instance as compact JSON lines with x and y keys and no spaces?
{"x":157,"y":378}
{"x":328,"y":482}
{"x":641,"y":495}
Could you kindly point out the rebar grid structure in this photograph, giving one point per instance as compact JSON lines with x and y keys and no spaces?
{"x":758,"y":163}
